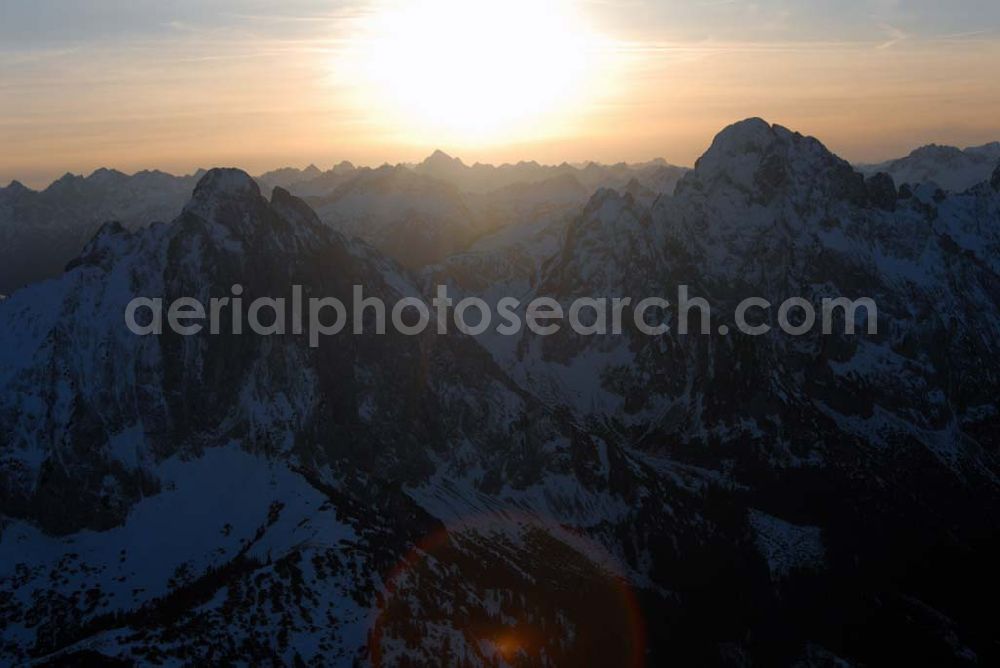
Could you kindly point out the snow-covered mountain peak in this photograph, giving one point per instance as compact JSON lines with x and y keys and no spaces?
{"x":610,"y":238}
{"x":106,"y":231}
{"x":937,"y":152}
{"x":219,"y":186}
{"x":990,"y":150}
{"x":606,"y":203}
{"x":101,"y":249}
{"x":258,"y":499}
{"x":225,"y":182}
{"x":610,"y":214}
{"x":947,"y":167}
{"x":754,"y":142}
{"x":751,"y":135}
{"x":229,"y":209}
{"x":292,"y":208}
{"x":764,"y":161}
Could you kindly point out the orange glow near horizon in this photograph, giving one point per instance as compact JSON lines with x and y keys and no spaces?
{"x":547,"y":80}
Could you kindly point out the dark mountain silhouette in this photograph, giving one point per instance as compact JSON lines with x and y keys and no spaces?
{"x":393,"y":500}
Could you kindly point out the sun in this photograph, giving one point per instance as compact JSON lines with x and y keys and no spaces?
{"x":475,"y":70}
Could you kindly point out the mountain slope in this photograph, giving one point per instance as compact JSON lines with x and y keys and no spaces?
{"x":41,"y":231}
{"x":569,"y":499}
{"x":273,"y":470}
{"x":944,"y":166}
{"x":854,"y":437}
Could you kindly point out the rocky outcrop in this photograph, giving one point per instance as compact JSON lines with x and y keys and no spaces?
{"x":245,"y":498}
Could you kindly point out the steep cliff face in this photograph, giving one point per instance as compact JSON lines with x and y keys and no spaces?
{"x":768,"y":213}
{"x":849,"y":436}
{"x":380,"y":499}
{"x":110,"y":431}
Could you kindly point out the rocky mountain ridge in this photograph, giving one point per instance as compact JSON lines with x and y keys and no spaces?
{"x":389,"y":499}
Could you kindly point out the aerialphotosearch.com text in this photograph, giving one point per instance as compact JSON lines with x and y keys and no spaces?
{"x":318,"y":317}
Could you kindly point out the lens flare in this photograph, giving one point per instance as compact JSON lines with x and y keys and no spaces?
{"x":484,"y":571}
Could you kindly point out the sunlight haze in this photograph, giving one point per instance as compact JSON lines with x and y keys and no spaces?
{"x":182,"y":85}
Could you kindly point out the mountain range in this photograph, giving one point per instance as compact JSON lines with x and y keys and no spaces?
{"x":43,"y":230}
{"x":562,"y":500}
{"x":947,"y":167}
{"x":40,"y":231}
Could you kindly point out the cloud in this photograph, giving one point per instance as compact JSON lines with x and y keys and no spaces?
{"x":894,"y":34}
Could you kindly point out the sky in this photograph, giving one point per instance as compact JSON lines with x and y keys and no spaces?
{"x":182,"y":84}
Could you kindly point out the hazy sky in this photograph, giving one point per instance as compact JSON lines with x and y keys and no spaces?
{"x":180,"y":84}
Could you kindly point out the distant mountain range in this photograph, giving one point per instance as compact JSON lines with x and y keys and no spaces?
{"x":658,"y":175}
{"x":42,"y":231}
{"x":947,"y":167}
{"x":563,"y":500}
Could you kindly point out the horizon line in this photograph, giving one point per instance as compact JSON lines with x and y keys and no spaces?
{"x":37,"y":185}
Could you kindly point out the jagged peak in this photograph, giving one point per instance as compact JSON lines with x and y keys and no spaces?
{"x":17,"y":187}
{"x":751,"y":135}
{"x":936,"y":151}
{"x":608,"y":214}
{"x":343,"y":166}
{"x":438,"y":154}
{"x":292,"y":207}
{"x":761,"y":158}
{"x":100,"y":248}
{"x":152,"y":172}
{"x":990,"y":151}
{"x":223,"y":186}
{"x":280,"y":195}
{"x":605,"y":200}
{"x":66,"y":180}
{"x":105,"y":173}
{"x":440,"y":158}
{"x":225,"y":182}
